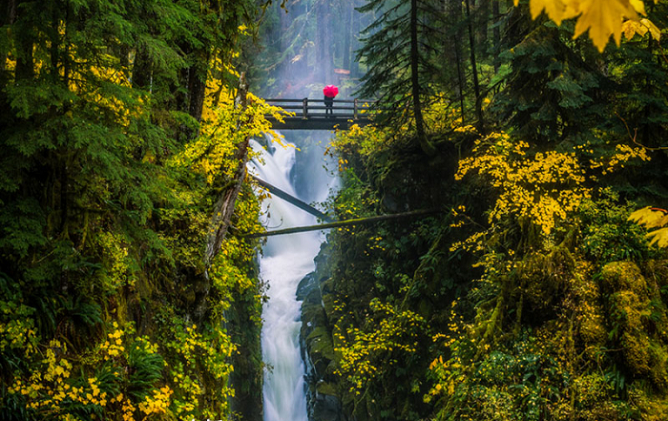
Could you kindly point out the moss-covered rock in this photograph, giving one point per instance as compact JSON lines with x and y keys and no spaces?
{"x":638,"y":318}
{"x":323,"y":397}
{"x":621,"y":276}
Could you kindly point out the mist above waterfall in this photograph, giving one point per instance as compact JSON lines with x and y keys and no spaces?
{"x":309,"y":44}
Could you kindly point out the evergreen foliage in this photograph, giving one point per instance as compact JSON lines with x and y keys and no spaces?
{"x":540,"y":292}
{"x":308,"y":44}
{"x":399,"y":54}
{"x":535,"y":297}
{"x":551,"y":92}
{"x":103,"y":226}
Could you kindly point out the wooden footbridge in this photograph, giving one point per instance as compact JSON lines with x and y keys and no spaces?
{"x":312,"y":114}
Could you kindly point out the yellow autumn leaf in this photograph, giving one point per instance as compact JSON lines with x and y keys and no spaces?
{"x":630,"y":28}
{"x":653,"y":218}
{"x":638,"y":5}
{"x":650,"y":217}
{"x":557,"y":10}
{"x":659,"y":237}
{"x":604,"y":18}
{"x":641,"y":27}
{"x":653,"y":29}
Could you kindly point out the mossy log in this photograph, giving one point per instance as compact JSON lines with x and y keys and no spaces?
{"x":347,"y":223}
{"x":291,"y":199}
{"x":224,"y":206}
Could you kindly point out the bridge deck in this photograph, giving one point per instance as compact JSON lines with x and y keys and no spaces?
{"x":311,"y":114}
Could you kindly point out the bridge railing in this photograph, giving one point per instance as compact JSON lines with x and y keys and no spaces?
{"x":315,"y":108}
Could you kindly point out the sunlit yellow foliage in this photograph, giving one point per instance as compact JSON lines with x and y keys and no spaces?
{"x":224,"y":125}
{"x":116,"y":374}
{"x":602,"y":18}
{"x":210,"y":350}
{"x":656,"y":219}
{"x":441,"y":117}
{"x":542,"y":188}
{"x":214,"y":155}
{"x":53,"y":386}
{"x":362,"y":353}
{"x":113,"y":347}
{"x":158,"y":403}
{"x":116,"y":252}
{"x":18,"y":333}
{"x":360,"y":140}
{"x":624,"y":153}
{"x":640,"y":27}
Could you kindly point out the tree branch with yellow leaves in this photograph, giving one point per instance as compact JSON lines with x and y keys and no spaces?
{"x":602,"y":18}
{"x":652,"y":218}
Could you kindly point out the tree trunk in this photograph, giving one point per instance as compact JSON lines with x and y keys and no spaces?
{"x":8,"y":10}
{"x":348,"y":223}
{"x":197,"y":86}
{"x":497,"y":34}
{"x":24,"y":36}
{"x":324,"y":64}
{"x":355,"y":30}
{"x":8,"y":7}
{"x":349,"y":34}
{"x":224,"y":206}
{"x":223,"y":210}
{"x":141,"y":70}
{"x":474,"y":71}
{"x":483,"y":21}
{"x":460,"y":77}
{"x":415,"y":82}
{"x":291,"y":199}
{"x":452,"y":9}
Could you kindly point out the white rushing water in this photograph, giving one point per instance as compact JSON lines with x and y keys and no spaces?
{"x":285,"y":261}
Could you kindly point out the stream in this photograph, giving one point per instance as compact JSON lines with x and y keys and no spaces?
{"x":284,"y":262}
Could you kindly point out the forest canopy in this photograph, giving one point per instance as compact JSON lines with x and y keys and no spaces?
{"x":119,"y":135}
{"x":535,"y":295}
{"x":534,"y":132}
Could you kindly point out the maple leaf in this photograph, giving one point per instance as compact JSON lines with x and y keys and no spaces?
{"x":659,"y":237}
{"x":603,"y":18}
{"x":641,"y":27}
{"x":653,"y":218}
{"x":639,"y":6}
{"x":557,"y":10}
{"x":650,"y":217}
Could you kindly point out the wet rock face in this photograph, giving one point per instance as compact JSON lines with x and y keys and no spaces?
{"x":323,"y":402}
{"x":326,"y":408}
{"x":306,"y":285}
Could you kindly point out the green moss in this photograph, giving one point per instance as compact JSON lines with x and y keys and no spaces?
{"x":593,"y":330}
{"x":618,"y":276}
{"x":658,"y":361}
{"x":657,"y":270}
{"x":325,"y":388}
{"x":636,"y":352}
{"x":328,"y":302}
{"x":637,"y":318}
{"x":652,"y":407}
{"x":320,"y":343}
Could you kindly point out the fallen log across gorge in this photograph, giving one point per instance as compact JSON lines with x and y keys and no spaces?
{"x":347,"y":222}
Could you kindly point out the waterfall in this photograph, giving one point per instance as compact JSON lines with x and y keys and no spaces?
{"x":284,"y":263}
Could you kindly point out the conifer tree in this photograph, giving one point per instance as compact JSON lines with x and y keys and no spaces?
{"x":398,"y":50}
{"x":96,"y":229}
{"x":551,"y":92}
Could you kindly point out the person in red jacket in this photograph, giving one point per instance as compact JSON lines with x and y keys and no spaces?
{"x":330,"y":93}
